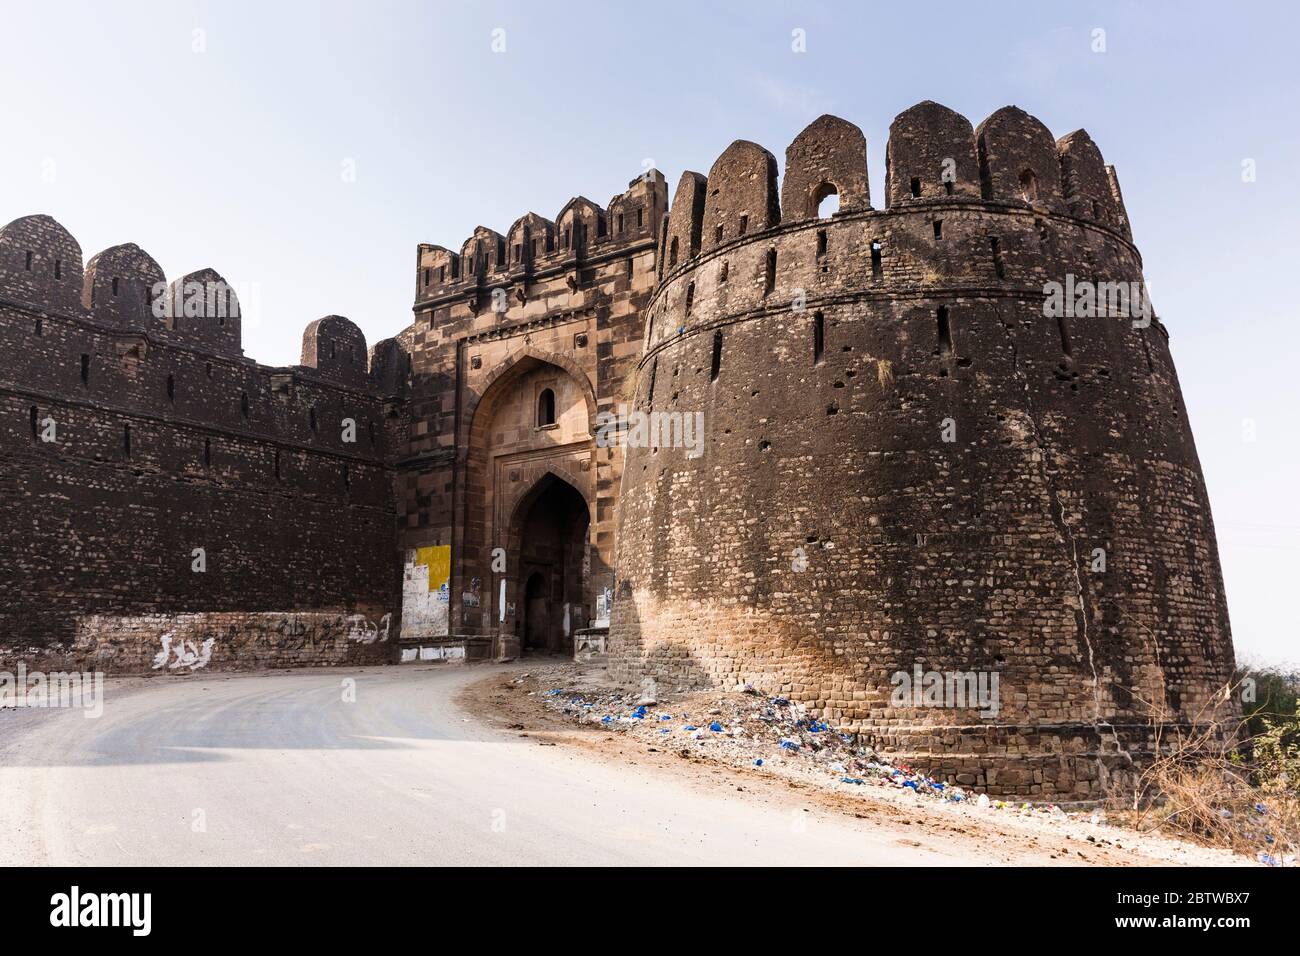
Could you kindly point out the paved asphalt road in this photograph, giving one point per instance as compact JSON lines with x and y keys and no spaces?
{"x":280,"y":770}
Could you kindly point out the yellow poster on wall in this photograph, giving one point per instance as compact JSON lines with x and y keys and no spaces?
{"x":426,"y":588}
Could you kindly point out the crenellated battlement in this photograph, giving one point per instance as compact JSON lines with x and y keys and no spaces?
{"x":1001,"y":210}
{"x":933,"y":158}
{"x":138,"y":372}
{"x":535,"y":246}
{"x":123,"y":290}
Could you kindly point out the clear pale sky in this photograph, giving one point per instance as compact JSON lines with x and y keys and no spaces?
{"x":229,"y":148}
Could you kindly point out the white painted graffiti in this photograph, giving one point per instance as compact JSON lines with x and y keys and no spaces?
{"x":186,"y":654}
{"x":364,"y":631}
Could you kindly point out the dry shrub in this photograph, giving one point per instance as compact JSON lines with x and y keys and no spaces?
{"x":1225,"y":782}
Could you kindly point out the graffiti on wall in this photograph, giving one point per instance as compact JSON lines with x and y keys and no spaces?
{"x":426,"y":584}
{"x":185,"y":653}
{"x":365,"y":631}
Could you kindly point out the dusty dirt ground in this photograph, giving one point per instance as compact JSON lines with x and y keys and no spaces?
{"x":524,"y":700}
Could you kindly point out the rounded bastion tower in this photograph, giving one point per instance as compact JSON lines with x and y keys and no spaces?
{"x":918,"y":458}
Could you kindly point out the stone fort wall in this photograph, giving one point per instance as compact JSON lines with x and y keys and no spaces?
{"x":908,"y":464}
{"x":133,"y":433}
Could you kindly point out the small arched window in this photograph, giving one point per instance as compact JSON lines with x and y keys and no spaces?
{"x":1028,"y":185}
{"x":826,"y":200}
{"x":546,"y":408}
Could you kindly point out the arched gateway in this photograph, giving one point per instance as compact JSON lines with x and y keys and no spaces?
{"x":527,"y":551}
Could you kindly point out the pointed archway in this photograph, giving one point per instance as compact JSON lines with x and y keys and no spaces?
{"x":550,"y":530}
{"x":531,"y":424}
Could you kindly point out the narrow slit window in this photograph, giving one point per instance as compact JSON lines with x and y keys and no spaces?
{"x":58,"y":268}
{"x":672,"y":253}
{"x":311,"y":418}
{"x":717,"y":234}
{"x":996,"y":246}
{"x":1065,"y":336}
{"x":85,"y":369}
{"x":690,"y":298}
{"x":207,"y":453}
{"x":744,"y":224}
{"x":650,"y":391}
{"x":769,"y":280}
{"x":876,"y":267}
{"x":947,"y":187}
{"x":938,"y":229}
{"x":114,"y":286}
{"x":717,"y":355}
{"x":29,"y":261}
{"x":34,"y":428}
{"x":277,"y":464}
{"x":171,"y":388}
{"x":40,"y":327}
{"x":916,"y":187}
{"x":243,"y":404}
{"x":819,"y":338}
{"x":821,"y":242}
{"x":723,"y":271}
{"x":126,"y":440}
{"x":945,"y":330}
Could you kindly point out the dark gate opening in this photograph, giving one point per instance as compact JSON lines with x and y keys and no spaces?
{"x":552,"y":549}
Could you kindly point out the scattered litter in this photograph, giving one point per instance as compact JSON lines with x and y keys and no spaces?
{"x":793,"y":741}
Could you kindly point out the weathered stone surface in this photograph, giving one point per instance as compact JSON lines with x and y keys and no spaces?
{"x":830,"y":537}
{"x":166,"y":440}
{"x":902,"y":463}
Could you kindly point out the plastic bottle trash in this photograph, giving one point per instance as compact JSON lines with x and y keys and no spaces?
{"x":715,"y":727}
{"x":758,"y":762}
{"x":983,"y":801}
